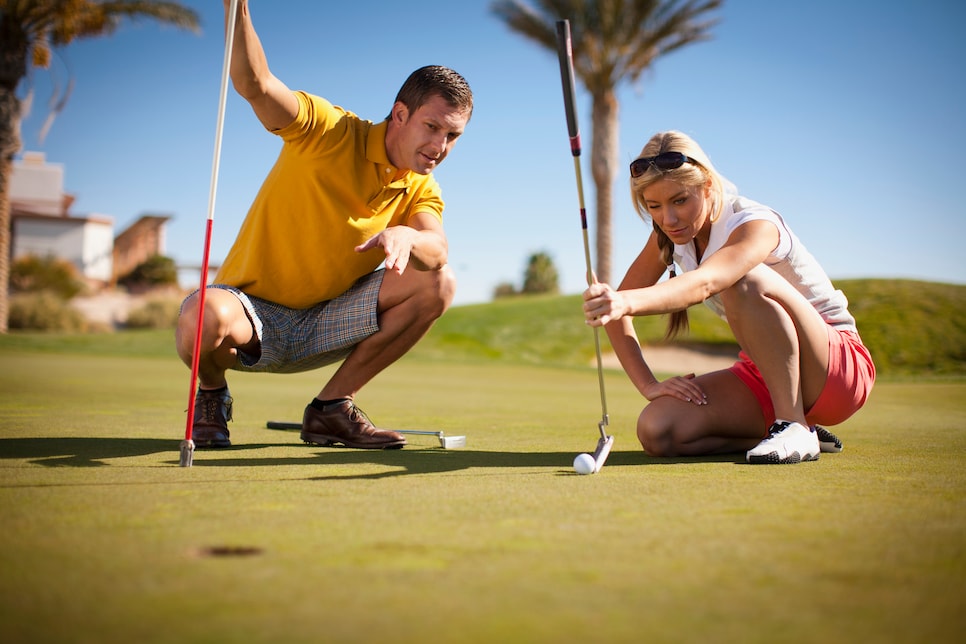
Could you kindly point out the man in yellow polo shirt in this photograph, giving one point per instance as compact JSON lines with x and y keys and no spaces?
{"x":302,"y":285}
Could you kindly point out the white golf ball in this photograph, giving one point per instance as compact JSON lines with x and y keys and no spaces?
{"x":584,"y":464}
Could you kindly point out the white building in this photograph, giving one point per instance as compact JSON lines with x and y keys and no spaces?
{"x":41,"y":224}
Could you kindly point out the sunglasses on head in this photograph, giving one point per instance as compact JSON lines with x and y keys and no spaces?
{"x":663,"y":162}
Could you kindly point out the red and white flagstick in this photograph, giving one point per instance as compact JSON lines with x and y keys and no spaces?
{"x":188,"y":445}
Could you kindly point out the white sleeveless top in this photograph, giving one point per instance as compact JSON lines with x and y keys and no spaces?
{"x":790,"y":259}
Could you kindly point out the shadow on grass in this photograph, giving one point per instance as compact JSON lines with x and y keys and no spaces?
{"x":440,"y":461}
{"x":94,"y":451}
{"x":80,"y":452}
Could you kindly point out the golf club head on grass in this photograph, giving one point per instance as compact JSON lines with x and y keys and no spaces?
{"x":451,"y":442}
{"x":446,"y":442}
{"x":604,"y":445}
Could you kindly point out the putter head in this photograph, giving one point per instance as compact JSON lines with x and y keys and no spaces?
{"x":451,"y":442}
{"x":187,"y":452}
{"x":604,"y":445}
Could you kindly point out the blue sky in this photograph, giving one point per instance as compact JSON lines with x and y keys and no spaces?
{"x":844,"y":115}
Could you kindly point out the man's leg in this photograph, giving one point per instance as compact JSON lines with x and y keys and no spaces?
{"x":226,"y":329}
{"x":408,"y":306}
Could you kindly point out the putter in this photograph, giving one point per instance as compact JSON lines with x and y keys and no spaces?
{"x":446,"y":442}
{"x":565,"y":54}
{"x":188,"y":445}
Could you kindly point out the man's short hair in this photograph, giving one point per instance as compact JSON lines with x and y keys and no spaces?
{"x":434,"y":80}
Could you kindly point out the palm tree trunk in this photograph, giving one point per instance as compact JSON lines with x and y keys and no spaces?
{"x":9,"y":144}
{"x":6,"y":165}
{"x":603,"y":163}
{"x":13,"y":67}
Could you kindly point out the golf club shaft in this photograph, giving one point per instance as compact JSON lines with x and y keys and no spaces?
{"x":446,"y":442}
{"x":213,"y":190}
{"x":565,"y":54}
{"x":279,"y":424}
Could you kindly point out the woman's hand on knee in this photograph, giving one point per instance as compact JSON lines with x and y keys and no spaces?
{"x":683,"y":388}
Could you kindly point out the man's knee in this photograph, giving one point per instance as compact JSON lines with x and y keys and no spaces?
{"x":220,"y":311}
{"x":439,"y":292}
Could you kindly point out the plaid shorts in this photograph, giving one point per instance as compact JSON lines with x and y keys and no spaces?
{"x":294,"y":340}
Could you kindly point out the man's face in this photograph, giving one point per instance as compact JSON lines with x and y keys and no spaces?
{"x":420,"y":140}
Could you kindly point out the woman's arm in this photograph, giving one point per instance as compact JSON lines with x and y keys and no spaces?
{"x":641,"y":294}
{"x":749,"y":245}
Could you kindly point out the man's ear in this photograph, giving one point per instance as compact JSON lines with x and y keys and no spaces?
{"x":400,"y":113}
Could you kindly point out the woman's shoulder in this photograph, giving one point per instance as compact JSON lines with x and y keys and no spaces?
{"x":740,"y":209}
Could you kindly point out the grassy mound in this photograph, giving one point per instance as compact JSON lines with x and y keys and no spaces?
{"x":911,"y":328}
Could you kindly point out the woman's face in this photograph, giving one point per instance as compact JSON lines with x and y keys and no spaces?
{"x":681,"y":212}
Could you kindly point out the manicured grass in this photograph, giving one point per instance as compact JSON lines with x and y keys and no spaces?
{"x":106,"y":539}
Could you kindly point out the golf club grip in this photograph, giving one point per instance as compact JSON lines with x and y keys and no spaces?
{"x":565,"y":54}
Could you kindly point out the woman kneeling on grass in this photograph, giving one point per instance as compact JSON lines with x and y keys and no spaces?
{"x":802,"y":361}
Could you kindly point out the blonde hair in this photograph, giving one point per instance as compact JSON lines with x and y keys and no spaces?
{"x":697,"y":172}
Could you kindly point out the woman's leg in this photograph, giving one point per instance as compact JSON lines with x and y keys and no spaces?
{"x":783,"y":335}
{"x":731,"y":421}
{"x":787,"y":340}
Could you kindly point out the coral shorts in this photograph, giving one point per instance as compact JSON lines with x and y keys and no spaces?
{"x":851,"y":375}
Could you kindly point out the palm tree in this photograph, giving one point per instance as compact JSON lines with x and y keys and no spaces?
{"x":28,"y":31}
{"x":613,"y":40}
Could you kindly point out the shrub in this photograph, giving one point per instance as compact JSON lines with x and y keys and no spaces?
{"x":44,"y":311}
{"x":33,"y":274}
{"x":504,"y":289}
{"x":155,"y":271}
{"x":155,"y":314}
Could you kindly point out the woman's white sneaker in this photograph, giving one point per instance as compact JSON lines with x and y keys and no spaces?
{"x":787,"y":442}
{"x":827,"y":441}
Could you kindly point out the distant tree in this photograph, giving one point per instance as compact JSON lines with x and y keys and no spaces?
{"x":541,"y":275}
{"x":613,"y":41}
{"x":504,"y":289}
{"x":28,"y":31}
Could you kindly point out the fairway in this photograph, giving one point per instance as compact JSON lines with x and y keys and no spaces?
{"x":106,"y":539}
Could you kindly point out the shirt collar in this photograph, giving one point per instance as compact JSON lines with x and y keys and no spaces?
{"x":376,"y":153}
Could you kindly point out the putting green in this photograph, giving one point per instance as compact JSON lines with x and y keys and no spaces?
{"x":106,"y":539}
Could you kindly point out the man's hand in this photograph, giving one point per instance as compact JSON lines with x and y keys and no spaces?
{"x":397,"y":243}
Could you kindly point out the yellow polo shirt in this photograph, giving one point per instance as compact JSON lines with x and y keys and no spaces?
{"x":330,"y":190}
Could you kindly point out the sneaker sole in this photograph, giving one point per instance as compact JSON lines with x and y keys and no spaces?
{"x":328,"y":441}
{"x":771,"y":458}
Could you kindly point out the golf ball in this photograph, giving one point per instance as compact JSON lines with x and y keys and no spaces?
{"x":584,"y":464}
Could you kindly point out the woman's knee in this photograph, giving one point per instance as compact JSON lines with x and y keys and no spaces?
{"x":655,"y":433}
{"x":748,"y":287}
